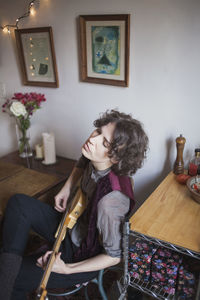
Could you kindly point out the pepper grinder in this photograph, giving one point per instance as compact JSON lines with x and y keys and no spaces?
{"x":179,"y":163}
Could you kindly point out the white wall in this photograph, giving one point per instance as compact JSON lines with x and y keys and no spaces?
{"x":164,"y":78}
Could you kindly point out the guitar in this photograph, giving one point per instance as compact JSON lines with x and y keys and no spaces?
{"x":68,"y":221}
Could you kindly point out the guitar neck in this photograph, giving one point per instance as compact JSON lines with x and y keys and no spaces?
{"x":55,"y":250}
{"x":69,"y":219}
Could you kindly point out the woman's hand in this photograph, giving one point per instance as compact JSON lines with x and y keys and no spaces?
{"x":59,"y":265}
{"x":61,"y":199}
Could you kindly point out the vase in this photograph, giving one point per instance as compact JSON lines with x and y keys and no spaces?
{"x":23,"y":138}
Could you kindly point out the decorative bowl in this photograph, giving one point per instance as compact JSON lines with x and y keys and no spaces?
{"x":193,"y":185}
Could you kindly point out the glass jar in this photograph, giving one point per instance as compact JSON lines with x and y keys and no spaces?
{"x":194,"y":164}
{"x":23,"y":138}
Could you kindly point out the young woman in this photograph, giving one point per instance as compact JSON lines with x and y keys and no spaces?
{"x":113,"y":152}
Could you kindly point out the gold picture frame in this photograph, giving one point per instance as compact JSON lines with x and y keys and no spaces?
{"x":104,"y":49}
{"x":37,"y":56}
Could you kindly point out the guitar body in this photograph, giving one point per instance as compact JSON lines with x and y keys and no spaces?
{"x":78,"y":205}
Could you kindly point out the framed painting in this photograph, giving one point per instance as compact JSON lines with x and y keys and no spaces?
{"x":37,"y":56}
{"x":104,"y":49}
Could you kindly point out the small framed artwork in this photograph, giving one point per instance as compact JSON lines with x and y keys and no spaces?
{"x":37,"y":56}
{"x":104,"y":49}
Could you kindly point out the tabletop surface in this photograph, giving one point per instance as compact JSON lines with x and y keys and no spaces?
{"x":40,"y":181}
{"x":18,"y":179}
{"x":62,"y":168}
{"x":7,"y":169}
{"x":171,"y":215}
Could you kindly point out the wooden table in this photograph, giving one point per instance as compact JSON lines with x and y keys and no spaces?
{"x":170,"y":215}
{"x":62,"y":167}
{"x":168,"y":218}
{"x":40,"y":181}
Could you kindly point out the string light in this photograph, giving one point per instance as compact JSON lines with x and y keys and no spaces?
{"x":5,"y":29}
{"x":31,"y":11}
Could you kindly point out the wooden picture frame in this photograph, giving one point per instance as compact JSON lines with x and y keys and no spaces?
{"x":104,"y":49}
{"x":37,"y":56}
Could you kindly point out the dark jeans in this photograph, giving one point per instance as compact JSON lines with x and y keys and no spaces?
{"x":22,"y":214}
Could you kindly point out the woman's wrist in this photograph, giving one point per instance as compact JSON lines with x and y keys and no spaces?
{"x":67,"y":187}
{"x":69,"y":269}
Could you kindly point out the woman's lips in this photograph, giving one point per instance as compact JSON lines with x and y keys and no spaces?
{"x":86,"y":147}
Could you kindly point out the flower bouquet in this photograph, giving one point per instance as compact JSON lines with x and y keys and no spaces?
{"x":22,"y":106}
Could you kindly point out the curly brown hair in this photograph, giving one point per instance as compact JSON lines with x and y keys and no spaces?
{"x":129,"y":144}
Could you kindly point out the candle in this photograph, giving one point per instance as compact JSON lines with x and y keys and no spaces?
{"x":49,"y":148}
{"x":39,"y":151}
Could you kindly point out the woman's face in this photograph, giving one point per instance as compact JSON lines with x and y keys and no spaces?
{"x":97,"y":146}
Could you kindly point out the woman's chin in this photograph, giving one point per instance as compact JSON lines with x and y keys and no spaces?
{"x":85,"y":153}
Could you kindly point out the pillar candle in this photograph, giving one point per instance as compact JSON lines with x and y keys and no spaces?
{"x":49,"y":148}
{"x":39,"y":151}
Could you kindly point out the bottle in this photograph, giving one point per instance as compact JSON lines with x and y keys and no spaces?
{"x":179,"y":163}
{"x":194,"y":164}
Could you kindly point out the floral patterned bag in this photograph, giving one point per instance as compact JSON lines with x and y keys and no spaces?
{"x":140,"y":256}
{"x":187,"y":280}
{"x":164,"y":271}
{"x":161,"y":267}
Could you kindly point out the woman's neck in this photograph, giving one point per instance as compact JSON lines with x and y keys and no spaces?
{"x":101,"y":166}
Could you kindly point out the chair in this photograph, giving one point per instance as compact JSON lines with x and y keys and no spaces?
{"x":98,"y":280}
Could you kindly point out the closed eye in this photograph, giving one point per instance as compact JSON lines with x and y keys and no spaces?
{"x":98,"y":130}
{"x":106,"y":143}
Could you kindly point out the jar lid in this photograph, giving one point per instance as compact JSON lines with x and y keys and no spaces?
{"x":197,"y":150}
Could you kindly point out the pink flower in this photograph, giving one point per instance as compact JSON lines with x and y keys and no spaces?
{"x":31,"y":101}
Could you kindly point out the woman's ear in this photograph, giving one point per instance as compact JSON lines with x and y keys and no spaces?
{"x":114,"y":161}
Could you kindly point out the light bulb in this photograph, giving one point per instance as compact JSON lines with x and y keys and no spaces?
{"x":32,"y":11}
{"x":5,"y":29}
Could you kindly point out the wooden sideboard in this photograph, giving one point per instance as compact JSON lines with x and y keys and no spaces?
{"x":62,"y":167}
{"x":39,"y":180}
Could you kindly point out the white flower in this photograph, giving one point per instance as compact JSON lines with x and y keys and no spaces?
{"x":18,"y":109}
